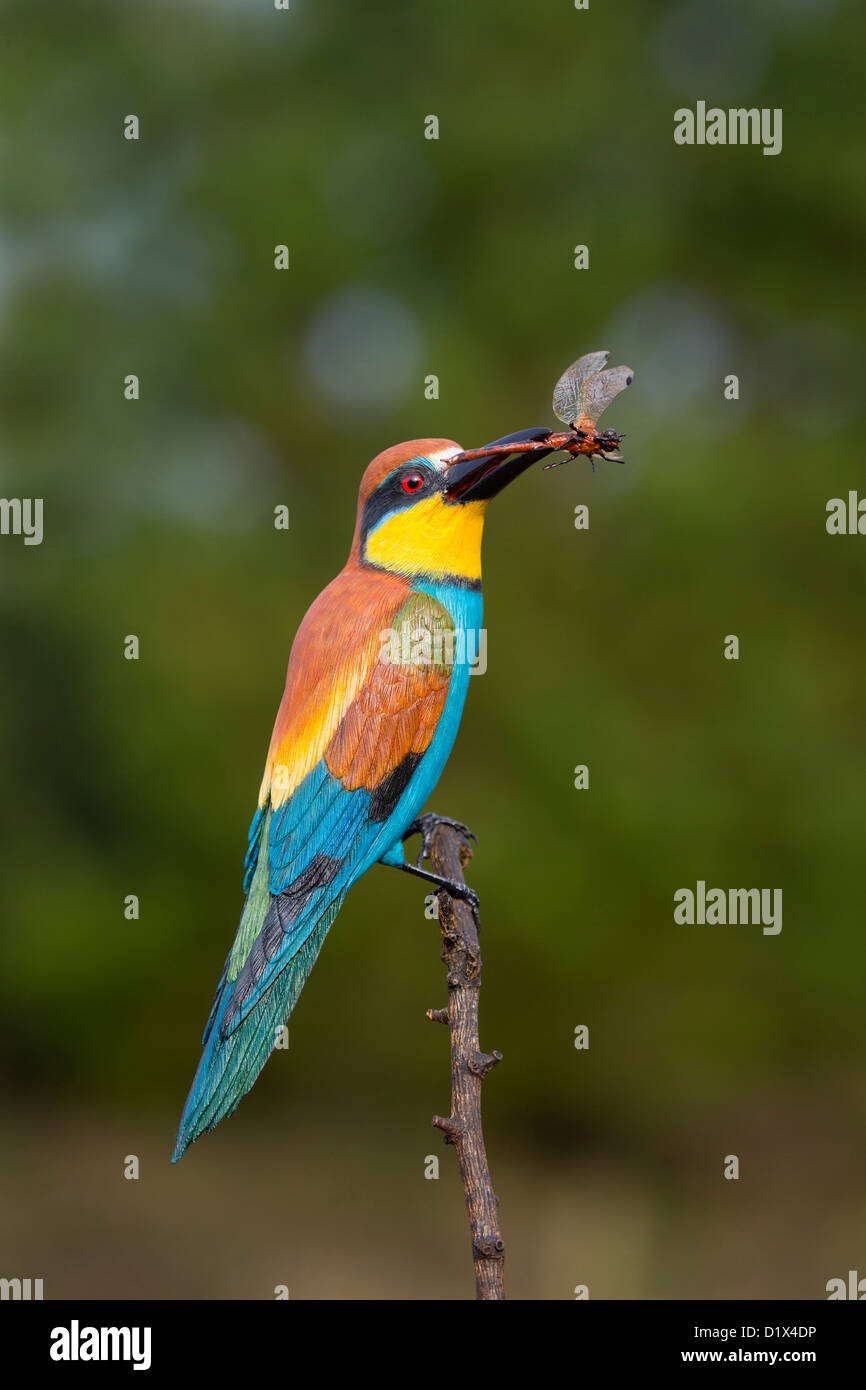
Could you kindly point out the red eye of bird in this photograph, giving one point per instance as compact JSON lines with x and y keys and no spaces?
{"x":412,"y":482}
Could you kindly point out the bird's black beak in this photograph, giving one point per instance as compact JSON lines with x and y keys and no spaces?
{"x":477,"y":479}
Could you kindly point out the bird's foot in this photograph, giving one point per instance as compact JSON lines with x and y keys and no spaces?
{"x":425,"y":825}
{"x":449,"y":886}
{"x":466,"y":894}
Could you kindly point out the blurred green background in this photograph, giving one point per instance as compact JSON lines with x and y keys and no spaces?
{"x":452,"y":257}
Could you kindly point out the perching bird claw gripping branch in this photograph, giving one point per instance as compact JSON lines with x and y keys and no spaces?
{"x":449,"y":852}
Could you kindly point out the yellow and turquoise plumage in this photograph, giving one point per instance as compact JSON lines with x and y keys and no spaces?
{"x":359,"y":742}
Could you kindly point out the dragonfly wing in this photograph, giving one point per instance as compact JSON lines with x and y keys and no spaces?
{"x":568,"y":391}
{"x":599,"y":390}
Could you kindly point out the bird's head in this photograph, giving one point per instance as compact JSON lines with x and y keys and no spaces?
{"x":422,"y":514}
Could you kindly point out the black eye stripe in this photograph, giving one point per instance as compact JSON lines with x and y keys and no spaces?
{"x":391,"y":496}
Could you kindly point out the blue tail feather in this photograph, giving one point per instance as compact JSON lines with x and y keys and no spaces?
{"x":230,"y":1064}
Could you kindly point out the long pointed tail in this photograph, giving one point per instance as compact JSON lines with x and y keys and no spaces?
{"x":231,"y":1062}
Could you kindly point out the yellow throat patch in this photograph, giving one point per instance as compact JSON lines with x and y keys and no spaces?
{"x":433,"y":537}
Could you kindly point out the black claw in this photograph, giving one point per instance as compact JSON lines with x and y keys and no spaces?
{"x":426,"y":824}
{"x":466,"y":894}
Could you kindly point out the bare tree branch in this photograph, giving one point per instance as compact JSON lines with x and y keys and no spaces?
{"x":449,"y":851}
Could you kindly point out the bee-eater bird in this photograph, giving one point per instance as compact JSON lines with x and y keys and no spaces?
{"x":363,"y":732}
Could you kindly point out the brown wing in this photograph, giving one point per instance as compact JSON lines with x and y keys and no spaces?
{"x":395,"y":712}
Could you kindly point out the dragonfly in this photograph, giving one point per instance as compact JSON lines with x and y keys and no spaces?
{"x":583,"y":392}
